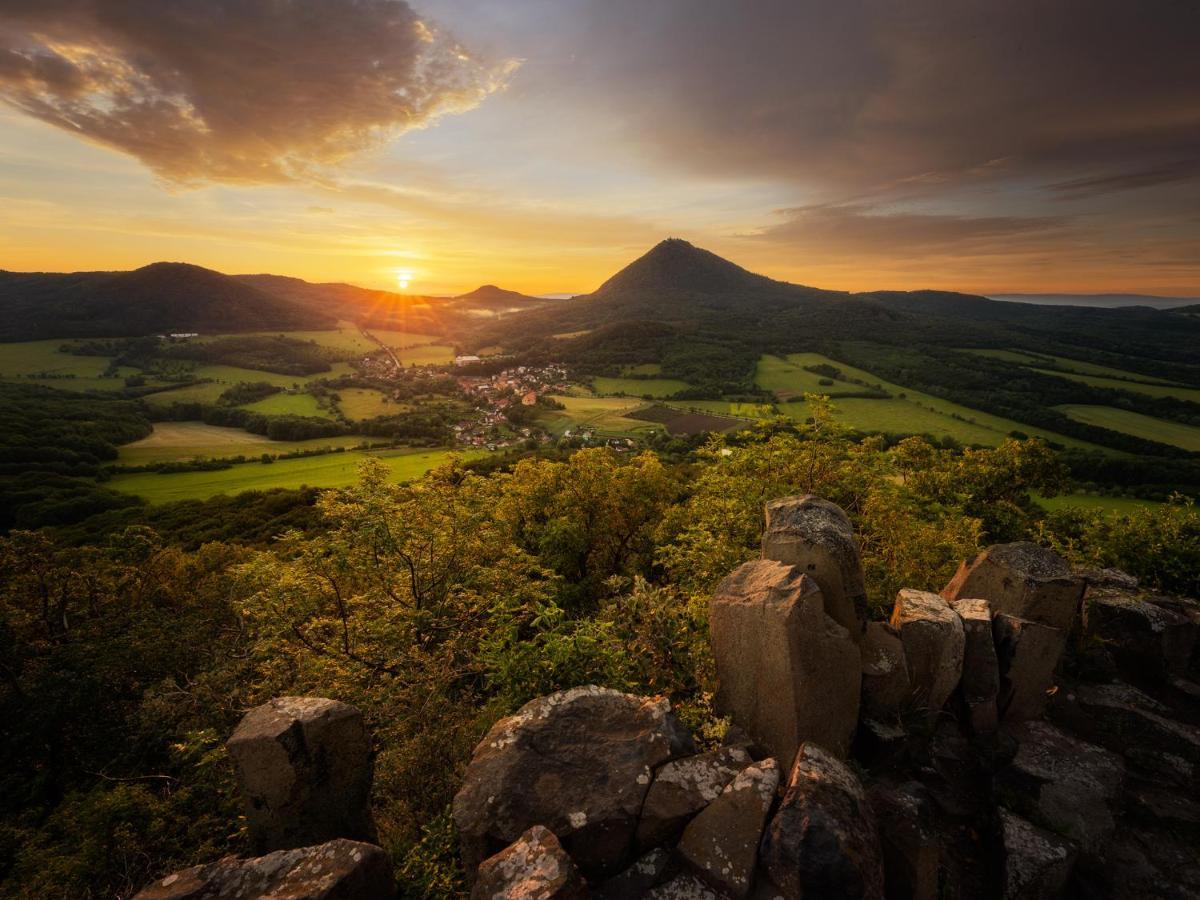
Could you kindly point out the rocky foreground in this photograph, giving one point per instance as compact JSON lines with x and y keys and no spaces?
{"x":1029,"y":732}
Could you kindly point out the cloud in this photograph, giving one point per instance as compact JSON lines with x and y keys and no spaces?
{"x":858,"y":230}
{"x":1097,"y":185}
{"x":235,"y":90}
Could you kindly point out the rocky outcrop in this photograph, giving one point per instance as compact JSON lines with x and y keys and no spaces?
{"x":721,"y":843}
{"x":304,"y":766}
{"x":578,"y":762}
{"x":1037,"y":864}
{"x":886,"y":688}
{"x":980,"y":684}
{"x":786,"y":671}
{"x":823,"y":840}
{"x":1023,"y":580}
{"x":909,"y":838}
{"x":684,"y":787}
{"x":337,"y":870}
{"x":1149,"y":643}
{"x":651,"y":870}
{"x":934,"y":642}
{"x":534,"y":867}
{"x":816,"y":536}
{"x":1028,"y":653}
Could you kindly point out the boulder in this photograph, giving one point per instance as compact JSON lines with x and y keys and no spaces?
{"x":534,"y":867}
{"x":1036,"y":863}
{"x":822,"y":842}
{"x":909,"y":840}
{"x":1027,"y":653}
{"x":578,"y":762}
{"x":1066,"y":785}
{"x":654,"y":868}
{"x":304,"y":766}
{"x":886,"y":689}
{"x":980,"y":682}
{"x":682,"y":788}
{"x":1108,"y":578}
{"x":336,"y":870}
{"x":1129,"y":722}
{"x":786,"y":671}
{"x":721,"y":843}
{"x":933,"y":638}
{"x":1022,"y":580}
{"x":1149,"y":643}
{"x":683,"y":887}
{"x":816,"y":536}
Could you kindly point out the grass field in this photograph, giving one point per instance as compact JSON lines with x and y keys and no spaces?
{"x":1128,"y":422}
{"x":787,"y":378}
{"x":912,"y":412}
{"x":27,"y":360}
{"x":637,"y":387}
{"x":289,"y":405}
{"x":604,"y":415}
{"x":729,"y":408}
{"x":179,"y":441}
{"x":1094,"y":501}
{"x":226,"y":376}
{"x":1094,"y":374}
{"x":398,"y":340}
{"x":362,"y":403}
{"x":346,"y":338}
{"x":1134,"y":387}
{"x":330,"y":470}
{"x":680,"y":421}
{"x":426,"y":355}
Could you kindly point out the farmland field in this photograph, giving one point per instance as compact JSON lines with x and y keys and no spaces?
{"x":1093,"y":374}
{"x":787,"y":378}
{"x":26,"y":361}
{"x":1126,"y":421}
{"x":329,"y":470}
{"x":607,"y":416}
{"x":679,"y":421}
{"x":426,"y":355}
{"x":226,"y":376}
{"x":637,"y":387}
{"x":289,"y":405}
{"x":362,"y":403}
{"x":346,"y":338}
{"x":1135,"y":387}
{"x":398,"y":340}
{"x":178,"y":441}
{"x":729,"y":408}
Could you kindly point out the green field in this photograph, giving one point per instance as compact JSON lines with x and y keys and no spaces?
{"x":330,"y":470}
{"x":179,"y":441}
{"x":398,"y":340}
{"x":1152,"y":429}
{"x":1094,"y":501}
{"x":224,"y":377}
{"x":289,"y":405}
{"x":604,"y":415}
{"x":912,"y":412}
{"x":40,"y":362}
{"x":426,"y":355}
{"x":787,"y":378}
{"x":1134,"y":387}
{"x":1093,"y":374}
{"x":730,"y":408}
{"x":362,"y":403}
{"x":346,"y":338}
{"x":638,"y":387}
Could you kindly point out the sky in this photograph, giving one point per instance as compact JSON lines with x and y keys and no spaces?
{"x":1023,"y":146}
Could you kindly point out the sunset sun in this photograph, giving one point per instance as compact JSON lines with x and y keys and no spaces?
{"x":403,"y":279}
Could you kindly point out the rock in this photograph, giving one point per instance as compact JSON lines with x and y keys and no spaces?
{"x":1066,"y":785}
{"x":337,"y":870}
{"x":816,"y":536}
{"x":1027,"y":653}
{"x":1149,"y":643}
{"x":1108,"y":578}
{"x":934,"y":642}
{"x":721,"y":843}
{"x":578,"y":762}
{"x":1142,"y":864}
{"x":822,"y":842}
{"x":305,"y":769}
{"x":886,"y":689}
{"x":1022,"y":580}
{"x":1037,"y":864}
{"x":909,"y":840}
{"x":1126,"y":721}
{"x":653,"y":869}
{"x":683,"y":887}
{"x":980,"y":683}
{"x":684,"y":787}
{"x":878,"y":743}
{"x":786,"y":671}
{"x":534,"y":867}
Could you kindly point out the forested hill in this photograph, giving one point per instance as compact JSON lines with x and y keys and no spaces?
{"x":158,"y":298}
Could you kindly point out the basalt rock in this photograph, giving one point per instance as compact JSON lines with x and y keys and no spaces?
{"x":1129,"y":722}
{"x":684,"y":787}
{"x":684,"y":887}
{"x":337,"y":870}
{"x":822,"y":842}
{"x":1149,"y":643}
{"x":934,"y":641}
{"x":1036,"y":863}
{"x":305,"y":769}
{"x":816,"y":536}
{"x":1063,"y":784}
{"x":1021,"y":579}
{"x":1027,"y":653}
{"x":651,"y":870}
{"x":909,"y":838}
{"x":980,"y":683}
{"x":578,"y":762}
{"x":886,"y":689}
{"x":786,"y":671}
{"x":721,"y":844}
{"x":534,"y":867}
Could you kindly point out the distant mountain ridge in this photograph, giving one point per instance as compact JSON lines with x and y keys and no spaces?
{"x":1098,"y":301}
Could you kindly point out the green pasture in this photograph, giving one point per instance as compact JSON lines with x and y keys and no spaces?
{"x":1126,"y":421}
{"x":604,"y":415}
{"x":637,"y":387}
{"x":1134,"y":387}
{"x":426,"y":355}
{"x":362,"y":403}
{"x":289,"y":405}
{"x":180,"y":441}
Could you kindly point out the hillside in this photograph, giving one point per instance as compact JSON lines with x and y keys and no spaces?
{"x":491,"y":294}
{"x":161,"y":297}
{"x":353,"y":303}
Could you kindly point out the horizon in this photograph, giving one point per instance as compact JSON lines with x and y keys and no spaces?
{"x":432,"y":146}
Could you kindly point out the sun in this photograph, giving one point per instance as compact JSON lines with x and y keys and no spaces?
{"x":403,"y":278}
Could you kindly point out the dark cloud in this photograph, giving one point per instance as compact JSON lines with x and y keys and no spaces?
{"x":857,"y":230}
{"x":234,"y":90}
{"x":1097,"y":185}
{"x":862,"y":94}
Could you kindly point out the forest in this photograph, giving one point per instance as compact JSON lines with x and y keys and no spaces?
{"x":437,"y":607}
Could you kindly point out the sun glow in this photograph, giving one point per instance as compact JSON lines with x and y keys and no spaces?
{"x":403,"y":278}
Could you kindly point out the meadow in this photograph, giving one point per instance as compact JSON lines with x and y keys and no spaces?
{"x":327,"y":471}
{"x":1186,"y":437}
{"x":181,"y":441}
{"x":606,"y":416}
{"x":639,"y":387}
{"x":357,"y":404}
{"x":286,"y":404}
